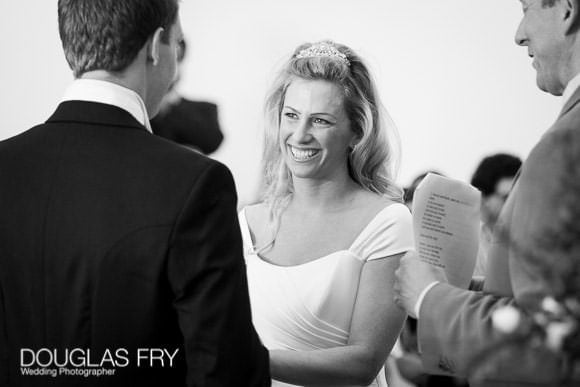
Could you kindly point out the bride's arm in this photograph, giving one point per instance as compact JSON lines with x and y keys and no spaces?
{"x":375,"y":326}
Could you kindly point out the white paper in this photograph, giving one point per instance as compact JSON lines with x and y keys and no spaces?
{"x":446,"y":222}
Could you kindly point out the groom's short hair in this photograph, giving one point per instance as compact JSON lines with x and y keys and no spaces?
{"x":108,"y":34}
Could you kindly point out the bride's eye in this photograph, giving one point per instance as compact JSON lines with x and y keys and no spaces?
{"x":321,"y":121}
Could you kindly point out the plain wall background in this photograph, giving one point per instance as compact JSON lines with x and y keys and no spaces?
{"x":448,"y":72}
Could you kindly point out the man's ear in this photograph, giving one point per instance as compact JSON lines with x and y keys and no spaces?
{"x":153,"y":46}
{"x":571,"y":16}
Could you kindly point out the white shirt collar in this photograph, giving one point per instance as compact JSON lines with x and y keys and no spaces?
{"x":109,"y":93}
{"x":570,"y":89}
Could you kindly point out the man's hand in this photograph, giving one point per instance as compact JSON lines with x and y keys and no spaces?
{"x":412,"y":277}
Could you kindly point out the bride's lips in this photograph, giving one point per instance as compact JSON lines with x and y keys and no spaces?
{"x":302,"y":154}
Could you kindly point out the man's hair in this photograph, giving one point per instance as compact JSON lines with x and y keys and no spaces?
{"x":492,"y":169}
{"x":409,"y":192}
{"x":108,"y":34}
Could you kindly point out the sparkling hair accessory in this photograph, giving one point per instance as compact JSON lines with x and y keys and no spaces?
{"x":323,"y":49}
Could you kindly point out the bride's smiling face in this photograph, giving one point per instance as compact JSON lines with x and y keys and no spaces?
{"x":315,"y":133}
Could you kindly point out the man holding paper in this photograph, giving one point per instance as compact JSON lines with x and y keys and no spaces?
{"x":446,"y":223}
{"x":455,"y":323}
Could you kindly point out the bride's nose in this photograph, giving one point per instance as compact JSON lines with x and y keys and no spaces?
{"x":302,"y":131}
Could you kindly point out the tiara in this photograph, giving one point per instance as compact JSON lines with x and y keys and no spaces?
{"x":323,"y":49}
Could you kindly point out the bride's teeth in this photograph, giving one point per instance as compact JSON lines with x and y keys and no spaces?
{"x":302,"y":154}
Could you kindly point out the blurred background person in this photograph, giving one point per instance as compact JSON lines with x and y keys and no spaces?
{"x":494,"y":177}
{"x":191,"y":123}
{"x":409,"y":192}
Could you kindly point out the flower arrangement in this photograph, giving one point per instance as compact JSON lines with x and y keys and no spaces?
{"x":543,"y":346}
{"x":555,"y":328}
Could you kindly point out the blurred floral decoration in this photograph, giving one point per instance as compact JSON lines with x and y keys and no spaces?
{"x":544,"y":341}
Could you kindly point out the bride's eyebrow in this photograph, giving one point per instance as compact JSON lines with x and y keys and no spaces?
{"x":324,"y":114}
{"x":291,"y":108}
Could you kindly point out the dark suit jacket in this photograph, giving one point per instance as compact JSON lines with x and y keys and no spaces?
{"x":113,"y":238}
{"x":191,"y":123}
{"x":455,"y":324}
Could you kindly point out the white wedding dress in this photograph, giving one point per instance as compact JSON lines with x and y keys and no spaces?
{"x":310,"y":306}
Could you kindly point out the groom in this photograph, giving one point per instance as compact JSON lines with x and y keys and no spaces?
{"x":120,"y":253}
{"x":455,"y":324}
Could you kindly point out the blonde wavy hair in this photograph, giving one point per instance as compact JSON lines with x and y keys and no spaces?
{"x":372,"y":162}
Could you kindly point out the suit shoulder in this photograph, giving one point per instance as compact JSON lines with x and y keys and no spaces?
{"x":171,"y":161}
{"x":174,"y":152}
{"x":563,"y":135}
{"x":195,"y":158}
{"x":21,"y":139}
{"x":567,"y":124}
{"x":25,"y":133}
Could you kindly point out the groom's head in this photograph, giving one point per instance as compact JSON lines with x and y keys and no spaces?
{"x":135,"y":42}
{"x":108,"y":34}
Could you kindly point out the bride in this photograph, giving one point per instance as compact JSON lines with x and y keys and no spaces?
{"x":322,"y":249}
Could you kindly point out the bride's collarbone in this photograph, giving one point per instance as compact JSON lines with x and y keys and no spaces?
{"x":302,"y":240}
{"x":303,"y":235}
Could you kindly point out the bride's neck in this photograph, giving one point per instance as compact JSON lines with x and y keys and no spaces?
{"x":323,"y":196}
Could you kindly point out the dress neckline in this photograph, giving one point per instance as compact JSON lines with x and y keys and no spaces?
{"x":247,"y":235}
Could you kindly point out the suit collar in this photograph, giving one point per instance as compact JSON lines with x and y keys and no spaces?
{"x":570,"y":103}
{"x":110,"y":93}
{"x":94,"y":113}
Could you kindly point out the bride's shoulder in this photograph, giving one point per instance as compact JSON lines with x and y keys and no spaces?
{"x":372,"y":201}
{"x":257,"y":215}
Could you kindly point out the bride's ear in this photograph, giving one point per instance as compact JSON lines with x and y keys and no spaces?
{"x":153,"y":46}
{"x":354,"y":141}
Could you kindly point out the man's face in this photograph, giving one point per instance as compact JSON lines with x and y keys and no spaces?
{"x":165,"y":72}
{"x":492,"y":204}
{"x":541,"y":30}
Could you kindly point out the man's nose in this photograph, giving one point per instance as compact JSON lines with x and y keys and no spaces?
{"x":520,"y":37}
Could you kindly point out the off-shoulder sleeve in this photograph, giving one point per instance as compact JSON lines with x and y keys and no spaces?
{"x":245,"y":229}
{"x":389,"y":233}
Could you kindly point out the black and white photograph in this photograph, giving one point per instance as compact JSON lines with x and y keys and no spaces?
{"x":308,"y":193}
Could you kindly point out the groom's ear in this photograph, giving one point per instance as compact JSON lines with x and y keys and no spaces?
{"x":153,"y":46}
